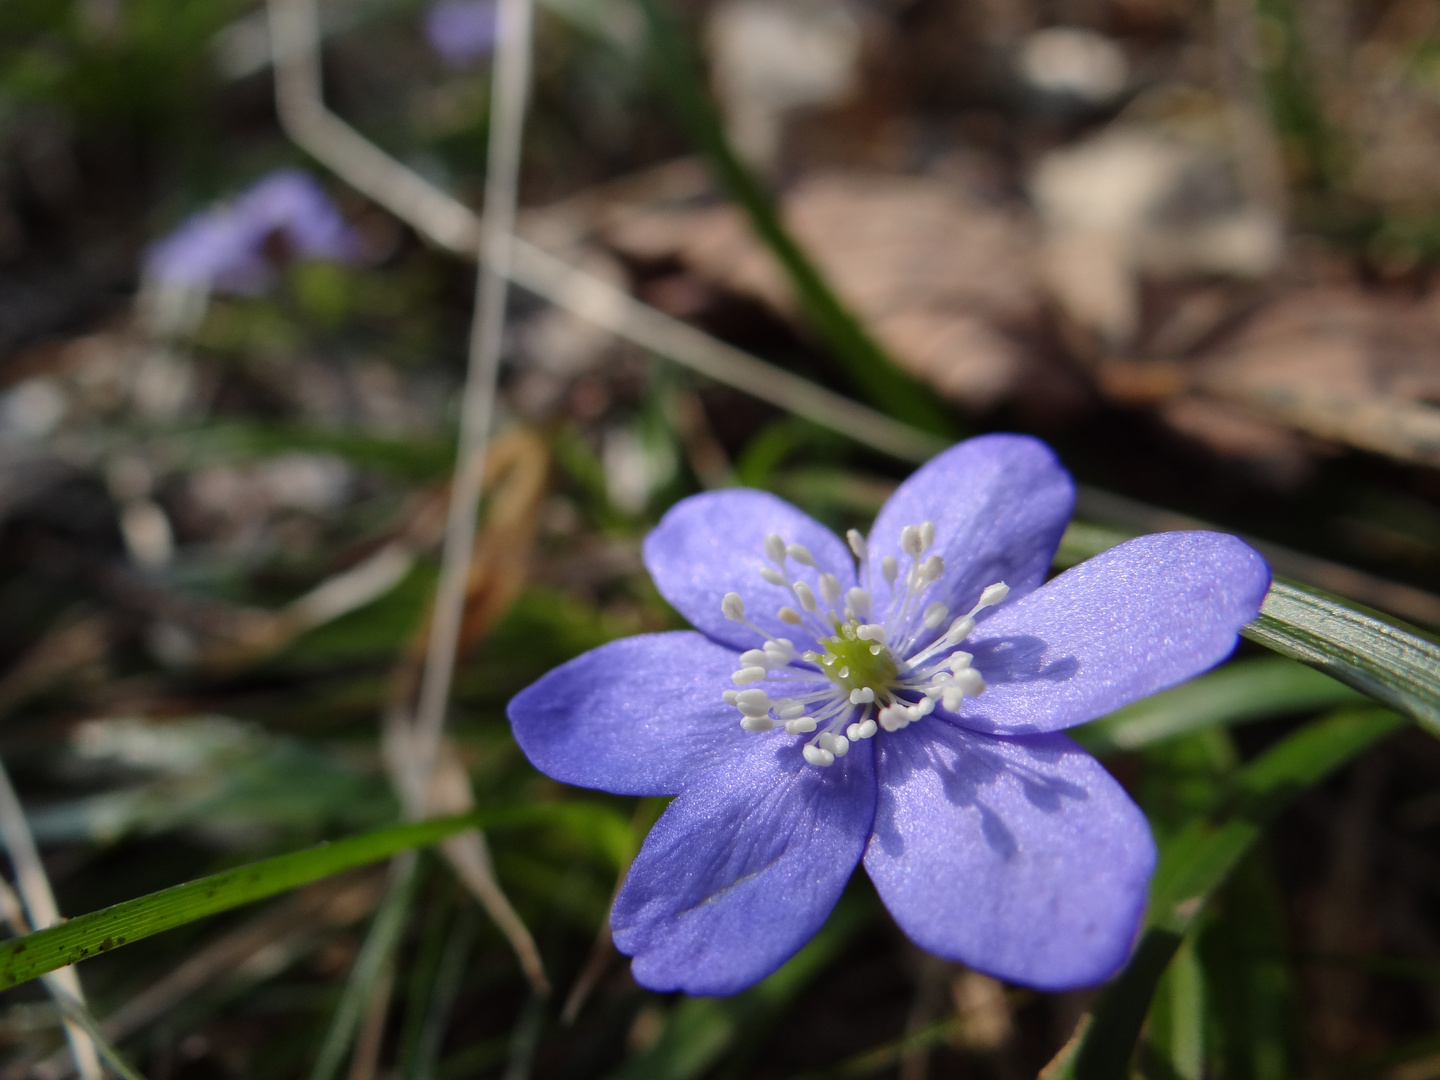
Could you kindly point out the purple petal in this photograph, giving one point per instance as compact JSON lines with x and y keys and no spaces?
{"x":744,"y":867}
{"x":461,"y":31}
{"x":1142,"y":616}
{"x":639,"y":716}
{"x":1022,"y":858}
{"x":711,"y":544}
{"x":999,"y":504}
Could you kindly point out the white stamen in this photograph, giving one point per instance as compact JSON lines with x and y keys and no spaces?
{"x":860,"y":600}
{"x":890,"y":569}
{"x":732,"y":607}
{"x":970,"y":681}
{"x":911,"y":542}
{"x":730,"y":697}
{"x":790,"y":710}
{"x":870,"y":632}
{"x":789,"y":615}
{"x":927,"y":535}
{"x":756,"y":723}
{"x":775,"y":548}
{"x":800,"y":726}
{"x":748,"y":675}
{"x":893,"y":718}
{"x":931,"y":570}
{"x":864,"y":730}
{"x":857,"y":544}
{"x":838,"y":745}
{"x":753,"y":702}
{"x":816,"y":756}
{"x":773,"y":576}
{"x":935,"y":614}
{"x":754,"y":658}
{"x":830,"y":590}
{"x":863,"y":696}
{"x":806,"y":595}
{"x":780,"y":651}
{"x":801,"y":554}
{"x":993,"y":594}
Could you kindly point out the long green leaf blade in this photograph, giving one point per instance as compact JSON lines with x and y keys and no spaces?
{"x":1392,"y":664}
{"x":1197,"y":861}
{"x":127,"y":922}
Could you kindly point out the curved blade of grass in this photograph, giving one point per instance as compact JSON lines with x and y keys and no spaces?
{"x":1395,"y":665}
{"x":1196,"y":862}
{"x":1245,"y":690}
{"x":864,"y":361}
{"x":127,"y":922}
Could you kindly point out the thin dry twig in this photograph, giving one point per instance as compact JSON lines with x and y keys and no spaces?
{"x":41,"y":911}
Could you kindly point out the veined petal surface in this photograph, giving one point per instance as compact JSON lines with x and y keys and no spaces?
{"x":638,"y":716}
{"x":714,"y":543}
{"x":744,"y":867}
{"x":1022,"y":858}
{"x":1142,"y":616}
{"x":999,"y":503}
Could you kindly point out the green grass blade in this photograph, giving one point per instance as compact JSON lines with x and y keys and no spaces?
{"x":1245,"y":690}
{"x":1392,"y":664}
{"x":1197,"y":861}
{"x":125,"y":923}
{"x":872,"y":372}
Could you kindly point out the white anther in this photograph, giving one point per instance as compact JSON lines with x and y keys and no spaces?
{"x":863,"y":696}
{"x":775,"y":548}
{"x":836,"y":744}
{"x":970,"y":681}
{"x":801,"y":725}
{"x":890,"y":569}
{"x":857,"y":544}
{"x":773,"y":576}
{"x":790,"y":710}
{"x":931,"y":570}
{"x":860,"y":600}
{"x":780,"y":651}
{"x":924,"y":707}
{"x":801,"y":554}
{"x":830,"y":590}
{"x":730,"y":697}
{"x":816,"y":756}
{"x":870,"y":632}
{"x":806,"y":595}
{"x":959,"y":660}
{"x":753,"y":702}
{"x":927,"y":534}
{"x":863,"y":730}
{"x":754,"y":658}
{"x":993,"y":594}
{"x":756,"y":723}
{"x":788,"y":615}
{"x":910,"y":541}
{"x":732,"y":607}
{"x":747,"y":675}
{"x":935,"y":614}
{"x":893,"y":718}
{"x":960,"y":629}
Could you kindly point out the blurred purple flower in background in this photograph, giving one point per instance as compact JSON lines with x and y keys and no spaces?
{"x":225,"y":248}
{"x":825,"y":715}
{"x":461,"y":31}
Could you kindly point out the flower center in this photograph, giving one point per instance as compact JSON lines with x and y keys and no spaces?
{"x":878,"y":676}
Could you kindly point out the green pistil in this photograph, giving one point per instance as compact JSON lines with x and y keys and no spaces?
{"x":845,"y":653}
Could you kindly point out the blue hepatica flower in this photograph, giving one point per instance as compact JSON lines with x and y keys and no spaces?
{"x":896,"y":700}
{"x":224,"y":248}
